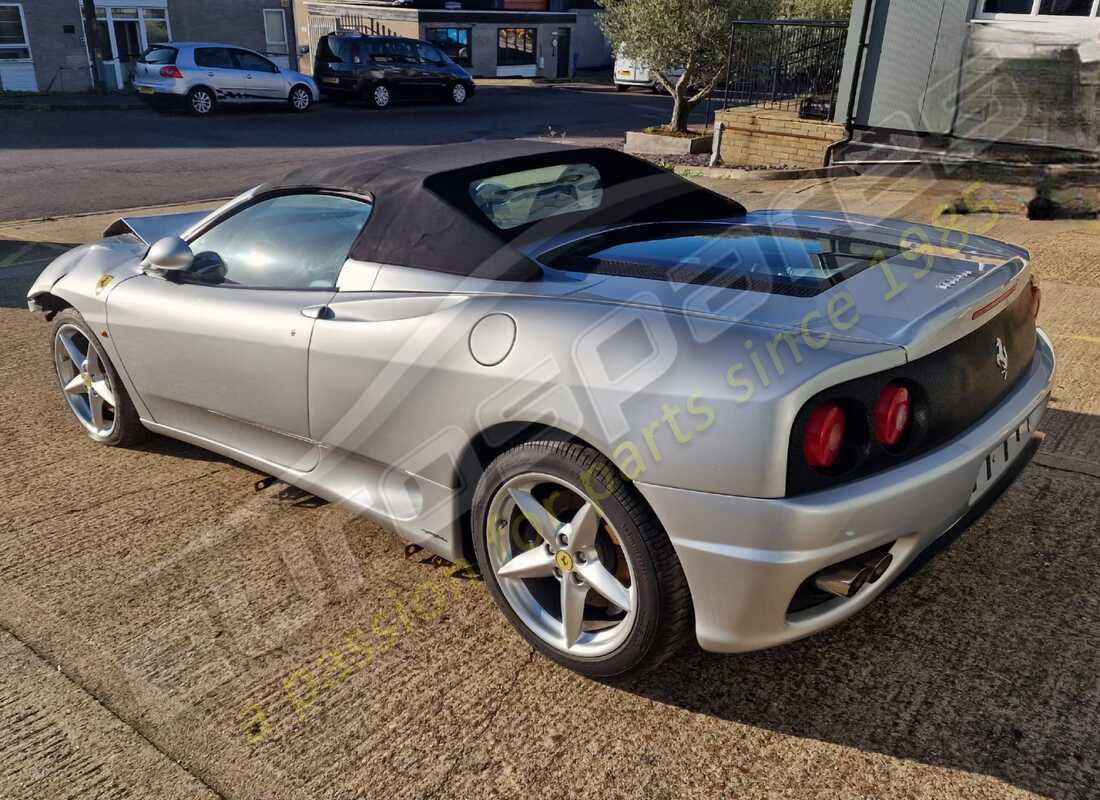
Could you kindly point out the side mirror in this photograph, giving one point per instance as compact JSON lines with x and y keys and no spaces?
{"x":170,"y":254}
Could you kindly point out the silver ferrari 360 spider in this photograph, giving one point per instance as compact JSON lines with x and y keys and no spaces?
{"x":645,"y":412}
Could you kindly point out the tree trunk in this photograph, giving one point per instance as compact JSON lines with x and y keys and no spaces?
{"x":681,"y":109}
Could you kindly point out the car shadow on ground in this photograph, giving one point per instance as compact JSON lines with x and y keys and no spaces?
{"x":985,"y":661}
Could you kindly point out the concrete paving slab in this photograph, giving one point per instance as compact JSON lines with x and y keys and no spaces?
{"x":58,"y":741}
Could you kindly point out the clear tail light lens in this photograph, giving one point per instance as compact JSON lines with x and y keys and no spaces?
{"x":824,"y":436}
{"x":892,"y":413}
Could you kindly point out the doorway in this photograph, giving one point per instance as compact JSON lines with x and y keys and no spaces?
{"x":563,"y":49}
{"x":122,"y":35}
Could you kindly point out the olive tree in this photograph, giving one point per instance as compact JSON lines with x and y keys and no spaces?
{"x":693,"y":36}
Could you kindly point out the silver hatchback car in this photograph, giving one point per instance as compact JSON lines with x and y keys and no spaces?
{"x":203,"y":74}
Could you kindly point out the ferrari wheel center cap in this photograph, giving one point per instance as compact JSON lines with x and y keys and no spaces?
{"x":564,"y":561}
{"x":87,"y":379}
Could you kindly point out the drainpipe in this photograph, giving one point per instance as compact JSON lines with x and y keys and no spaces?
{"x":98,"y":84}
{"x":857,"y":80}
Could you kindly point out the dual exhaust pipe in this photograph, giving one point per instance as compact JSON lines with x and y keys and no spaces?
{"x":848,"y":577}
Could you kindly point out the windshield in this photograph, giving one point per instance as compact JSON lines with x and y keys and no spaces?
{"x":776,"y":261}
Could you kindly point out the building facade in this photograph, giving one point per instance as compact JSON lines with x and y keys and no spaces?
{"x":989,"y":79}
{"x":491,"y":38}
{"x":43,"y":46}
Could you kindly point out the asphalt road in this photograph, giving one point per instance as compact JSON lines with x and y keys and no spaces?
{"x":168,"y":631}
{"x":66,"y":162}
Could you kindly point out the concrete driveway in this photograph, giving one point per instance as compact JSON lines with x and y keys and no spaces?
{"x":171,"y":631}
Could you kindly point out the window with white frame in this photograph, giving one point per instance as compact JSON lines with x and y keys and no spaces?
{"x":1054,"y":11}
{"x":275,"y":31}
{"x":14,"y":45}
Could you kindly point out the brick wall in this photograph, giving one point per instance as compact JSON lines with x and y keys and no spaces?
{"x":761,"y":137}
{"x":239,"y":22}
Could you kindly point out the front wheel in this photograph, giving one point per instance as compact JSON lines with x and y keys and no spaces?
{"x":201,"y":101}
{"x":300,"y":98}
{"x":578,"y":562}
{"x":90,"y":384}
{"x":459,"y":94}
{"x":379,"y":97}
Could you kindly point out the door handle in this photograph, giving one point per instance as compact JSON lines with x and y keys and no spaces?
{"x":318,"y":312}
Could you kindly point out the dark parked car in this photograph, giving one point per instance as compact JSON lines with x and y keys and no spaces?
{"x":381,"y":69}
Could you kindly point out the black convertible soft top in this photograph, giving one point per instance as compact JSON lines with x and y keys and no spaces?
{"x":425,"y":217}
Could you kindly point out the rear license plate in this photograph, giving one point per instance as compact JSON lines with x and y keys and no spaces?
{"x":1002,"y":456}
{"x":625,"y":73}
{"x":335,"y":81}
{"x":144,"y":90}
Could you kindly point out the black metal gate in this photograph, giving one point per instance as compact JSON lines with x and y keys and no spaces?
{"x":786,"y":64}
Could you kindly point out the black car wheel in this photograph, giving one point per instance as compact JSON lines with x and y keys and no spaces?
{"x":379,"y":96}
{"x":578,"y":562}
{"x":201,"y":101}
{"x":459,"y":94}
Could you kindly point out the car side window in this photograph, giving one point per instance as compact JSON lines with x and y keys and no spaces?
{"x":213,"y":58}
{"x":403,"y":52}
{"x":295,"y":241}
{"x":250,"y":62}
{"x":429,"y":55}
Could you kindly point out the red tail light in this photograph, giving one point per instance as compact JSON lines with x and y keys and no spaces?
{"x":170,"y":72}
{"x":824,"y":436}
{"x":1036,"y":299}
{"x":891,"y":414}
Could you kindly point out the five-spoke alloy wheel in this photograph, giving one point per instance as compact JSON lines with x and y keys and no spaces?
{"x":90,"y":385}
{"x":577,"y":561}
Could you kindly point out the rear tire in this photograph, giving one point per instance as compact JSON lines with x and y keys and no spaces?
{"x":621,"y":87}
{"x":114,"y":422}
{"x":608,"y":538}
{"x":201,"y":101}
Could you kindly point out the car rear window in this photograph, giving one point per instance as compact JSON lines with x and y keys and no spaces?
{"x":520,"y":198}
{"x":159,"y":54}
{"x":720,"y":254}
{"x":336,"y":50}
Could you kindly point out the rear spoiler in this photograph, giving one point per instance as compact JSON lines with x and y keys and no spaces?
{"x":152,"y":229}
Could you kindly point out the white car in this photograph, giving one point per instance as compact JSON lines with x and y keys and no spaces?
{"x":203,"y":74}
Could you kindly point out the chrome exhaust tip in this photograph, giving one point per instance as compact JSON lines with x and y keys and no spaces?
{"x":843,"y":580}
{"x":878,"y":566}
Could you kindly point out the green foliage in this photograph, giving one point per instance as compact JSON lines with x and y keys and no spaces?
{"x":670,"y":34}
{"x":693,"y":35}
{"x":814,"y":9}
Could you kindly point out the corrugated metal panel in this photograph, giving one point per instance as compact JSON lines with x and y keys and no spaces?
{"x":911,"y":71}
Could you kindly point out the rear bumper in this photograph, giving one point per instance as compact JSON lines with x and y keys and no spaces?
{"x":162,"y":89}
{"x":745,"y":558}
